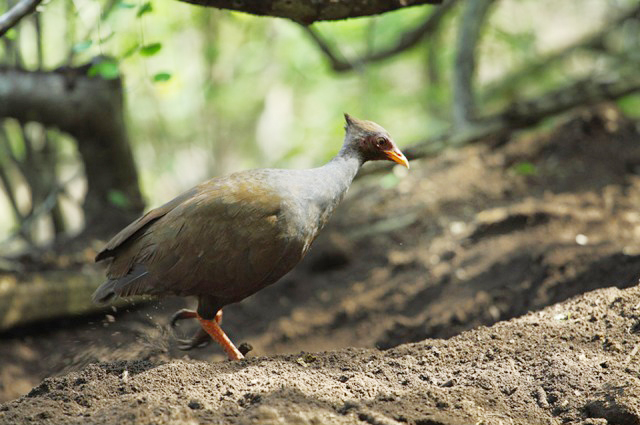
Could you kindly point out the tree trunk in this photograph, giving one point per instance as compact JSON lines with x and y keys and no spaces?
{"x":91,"y":110}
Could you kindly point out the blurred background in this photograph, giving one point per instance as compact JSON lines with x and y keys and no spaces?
{"x":207,"y":91}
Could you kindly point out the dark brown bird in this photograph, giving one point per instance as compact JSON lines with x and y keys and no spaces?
{"x":231,"y":236}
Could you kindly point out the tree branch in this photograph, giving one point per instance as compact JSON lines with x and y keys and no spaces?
{"x":307,"y":12}
{"x":521,"y":115}
{"x":473,"y":17}
{"x":21,"y":9}
{"x":408,"y":40}
{"x":596,"y":40}
{"x":8,"y":151}
{"x":6,"y":183}
{"x":47,"y":205}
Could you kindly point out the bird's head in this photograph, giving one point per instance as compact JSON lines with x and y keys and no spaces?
{"x":371,"y":141}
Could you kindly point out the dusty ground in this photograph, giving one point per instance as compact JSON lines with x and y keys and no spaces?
{"x":476,"y":236}
{"x":573,"y":362}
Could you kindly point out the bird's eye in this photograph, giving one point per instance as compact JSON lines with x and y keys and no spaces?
{"x":381,"y":142}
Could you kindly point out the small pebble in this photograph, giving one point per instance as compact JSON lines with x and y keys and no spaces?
{"x":244,"y":348}
{"x":582,"y":239}
{"x":195,"y":405}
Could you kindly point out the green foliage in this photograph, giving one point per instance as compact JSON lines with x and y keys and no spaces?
{"x":630,"y":106}
{"x":118,"y":199}
{"x":525,"y":169}
{"x":107,"y":69}
{"x":82,"y":46}
{"x":150,"y":49}
{"x":131,"y":51}
{"x":144,"y":9}
{"x":161,"y":77}
{"x":125,"y":5}
{"x":520,"y":43}
{"x":11,"y":34}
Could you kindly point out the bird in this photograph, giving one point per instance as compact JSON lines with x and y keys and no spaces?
{"x":230,"y":236}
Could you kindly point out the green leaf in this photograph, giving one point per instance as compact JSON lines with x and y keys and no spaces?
{"x":11,"y":34}
{"x":107,"y":37}
{"x":630,"y":106}
{"x":107,"y":69}
{"x":125,"y":5}
{"x":150,"y":49}
{"x":118,"y":198}
{"x":145,"y":8}
{"x":161,"y":77}
{"x":82,"y":46}
{"x":131,"y":50}
{"x":525,"y":169}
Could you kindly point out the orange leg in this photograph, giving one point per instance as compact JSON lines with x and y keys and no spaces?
{"x":217,"y":334}
{"x":200,"y":337}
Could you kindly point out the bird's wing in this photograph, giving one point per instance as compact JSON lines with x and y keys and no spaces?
{"x":131,"y":231}
{"x":228,"y":240}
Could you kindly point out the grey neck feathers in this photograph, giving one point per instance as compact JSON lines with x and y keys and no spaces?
{"x":334,"y":178}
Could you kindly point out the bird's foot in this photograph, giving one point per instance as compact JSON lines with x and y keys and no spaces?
{"x":201,"y":338}
{"x":210,"y":329}
{"x":182,"y":315}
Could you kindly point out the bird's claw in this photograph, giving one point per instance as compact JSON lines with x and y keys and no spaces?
{"x":182,"y":315}
{"x":200,"y":339}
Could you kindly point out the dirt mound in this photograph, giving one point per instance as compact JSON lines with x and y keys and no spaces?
{"x":476,"y":236}
{"x":576,"y":362}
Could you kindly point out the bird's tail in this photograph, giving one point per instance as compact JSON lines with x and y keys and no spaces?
{"x":133,"y":283}
{"x":105,"y":292}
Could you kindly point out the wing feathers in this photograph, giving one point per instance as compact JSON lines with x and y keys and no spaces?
{"x":134,"y":228}
{"x":226,"y":237}
{"x":131,"y":284}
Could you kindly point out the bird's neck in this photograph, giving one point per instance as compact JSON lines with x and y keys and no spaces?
{"x":320,"y":190}
{"x":333,"y":180}
{"x":342,"y":169}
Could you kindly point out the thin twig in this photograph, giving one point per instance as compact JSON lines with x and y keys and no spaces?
{"x":10,"y":18}
{"x":6,"y":147}
{"x":338,"y":62}
{"x":40,"y":51}
{"x":6,"y":183}
{"x":473,"y":18}
{"x":43,"y":208}
{"x":408,"y":40}
{"x":104,"y":14}
{"x":632,"y":354}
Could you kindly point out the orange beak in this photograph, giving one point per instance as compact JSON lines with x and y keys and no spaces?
{"x":397,"y":156}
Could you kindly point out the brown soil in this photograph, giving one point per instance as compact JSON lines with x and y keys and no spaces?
{"x":470,"y":238}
